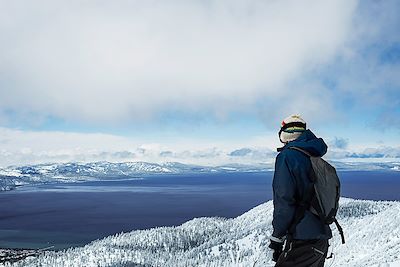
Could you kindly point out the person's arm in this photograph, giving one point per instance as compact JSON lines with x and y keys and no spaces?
{"x":284,"y":188}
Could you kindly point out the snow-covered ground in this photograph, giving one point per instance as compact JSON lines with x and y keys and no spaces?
{"x":372,"y":232}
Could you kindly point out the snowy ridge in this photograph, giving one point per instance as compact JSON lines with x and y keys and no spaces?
{"x":371,"y":228}
{"x":71,"y":172}
{"x":109,"y":169}
{"x":366,"y":166}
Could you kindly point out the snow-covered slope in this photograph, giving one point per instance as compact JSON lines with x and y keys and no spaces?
{"x":372,"y":232}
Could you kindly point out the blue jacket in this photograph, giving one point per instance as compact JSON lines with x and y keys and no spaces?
{"x":290,"y":183}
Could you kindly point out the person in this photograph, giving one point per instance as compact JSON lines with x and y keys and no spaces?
{"x":306,"y":243}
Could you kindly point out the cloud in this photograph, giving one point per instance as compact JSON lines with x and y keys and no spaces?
{"x":380,"y":152}
{"x":207,"y":153}
{"x":19,"y":147}
{"x":29,"y":147}
{"x":122,"y":155}
{"x":364,"y":75}
{"x":389,"y":118}
{"x":339,"y":142}
{"x":369,"y":153}
{"x":257,"y":154}
{"x":113,"y":61}
{"x":166,"y":153}
{"x":240,"y":152}
{"x":361,"y":81}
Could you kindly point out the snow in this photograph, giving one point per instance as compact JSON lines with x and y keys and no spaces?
{"x":10,"y":172}
{"x":74,"y":171}
{"x":372,"y":232}
{"x":388,"y":264}
{"x":366,"y":164}
{"x":393,"y":264}
{"x":229,"y":168}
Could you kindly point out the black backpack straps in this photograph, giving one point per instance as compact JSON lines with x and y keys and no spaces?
{"x":301,"y":150}
{"x":340,"y":230}
{"x":311,"y":202}
{"x":303,"y":205}
{"x":312,"y":177}
{"x":307,"y":200}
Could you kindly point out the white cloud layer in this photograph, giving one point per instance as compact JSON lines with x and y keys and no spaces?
{"x":111,"y":61}
{"x":28,"y":147}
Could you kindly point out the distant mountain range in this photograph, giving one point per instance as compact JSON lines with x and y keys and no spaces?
{"x":124,"y":169}
{"x":11,"y":177}
{"x":73,"y":172}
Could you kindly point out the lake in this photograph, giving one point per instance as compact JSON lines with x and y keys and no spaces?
{"x":65,"y":215}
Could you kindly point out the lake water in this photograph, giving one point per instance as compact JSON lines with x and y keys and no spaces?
{"x":65,"y":215}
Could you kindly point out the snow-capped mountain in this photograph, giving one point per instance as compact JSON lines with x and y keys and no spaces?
{"x":109,"y":169}
{"x":72,"y":172}
{"x":366,"y":166}
{"x":371,"y":228}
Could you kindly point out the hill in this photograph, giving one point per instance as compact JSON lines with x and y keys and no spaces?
{"x":371,"y":228}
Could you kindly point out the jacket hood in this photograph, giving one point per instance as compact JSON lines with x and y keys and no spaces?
{"x":309,"y":142}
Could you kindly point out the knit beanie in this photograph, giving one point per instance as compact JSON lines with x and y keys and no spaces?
{"x":292,"y":127}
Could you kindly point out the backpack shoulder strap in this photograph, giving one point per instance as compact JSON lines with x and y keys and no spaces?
{"x":340,"y":229}
{"x":303,"y":205}
{"x":301,"y":150}
{"x":312,"y":174}
{"x":308,"y":198}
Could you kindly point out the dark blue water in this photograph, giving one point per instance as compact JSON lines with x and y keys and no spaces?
{"x":67,"y":215}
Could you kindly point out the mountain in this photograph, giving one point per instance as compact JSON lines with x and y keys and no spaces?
{"x":366,"y":166}
{"x":109,"y":169}
{"x":72,"y":172}
{"x":371,"y":228}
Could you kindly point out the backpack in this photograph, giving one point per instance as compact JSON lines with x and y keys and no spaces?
{"x":322,"y":198}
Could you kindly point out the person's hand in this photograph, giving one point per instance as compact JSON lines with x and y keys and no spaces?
{"x":276,"y":244}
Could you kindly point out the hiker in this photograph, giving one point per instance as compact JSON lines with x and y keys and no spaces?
{"x":307,"y":241}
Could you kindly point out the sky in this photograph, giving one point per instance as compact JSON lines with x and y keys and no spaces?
{"x":201,"y":81}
